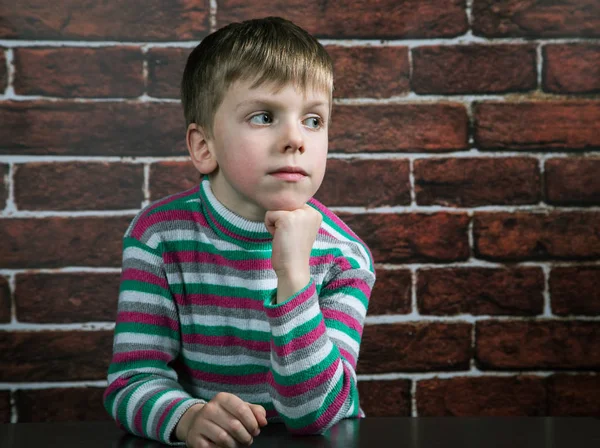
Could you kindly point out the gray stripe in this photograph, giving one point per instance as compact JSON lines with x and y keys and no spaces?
{"x":142,"y":265}
{"x":303,"y":353}
{"x":201,"y":311}
{"x":230,"y":351}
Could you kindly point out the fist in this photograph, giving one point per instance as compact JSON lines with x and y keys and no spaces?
{"x":294,"y":233}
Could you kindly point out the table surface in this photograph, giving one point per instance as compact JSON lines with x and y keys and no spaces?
{"x":406,"y":432}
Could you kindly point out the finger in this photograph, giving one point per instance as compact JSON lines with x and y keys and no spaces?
{"x":241,"y":411}
{"x":260,"y":413}
{"x":217,"y":435}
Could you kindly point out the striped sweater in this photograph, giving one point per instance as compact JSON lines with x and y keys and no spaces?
{"x":197,"y":315}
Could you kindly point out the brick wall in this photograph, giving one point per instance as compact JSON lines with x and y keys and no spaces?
{"x":464,"y":150}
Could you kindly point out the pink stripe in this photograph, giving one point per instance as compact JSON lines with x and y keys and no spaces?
{"x":300,"y":343}
{"x":192,"y":256}
{"x":226,"y":341}
{"x":137,"y":355}
{"x":145,"y":277}
{"x":355,"y":283}
{"x":170,"y":215}
{"x":343,"y":263}
{"x":141,"y":227}
{"x":236,"y":380}
{"x":342,"y":317}
{"x":164,"y":415}
{"x":119,"y":383}
{"x":145,"y":318}
{"x":235,"y":235}
{"x":334,"y":218}
{"x":137,"y":421}
{"x":301,"y":388}
{"x":287,"y":307}
{"x":332,"y":411}
{"x":348,"y":357}
{"x":220,"y":301}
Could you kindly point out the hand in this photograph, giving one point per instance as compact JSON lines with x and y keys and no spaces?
{"x":225,"y":421}
{"x":294,"y":233}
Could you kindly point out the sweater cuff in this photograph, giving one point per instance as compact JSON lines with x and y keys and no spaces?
{"x":178,"y":411}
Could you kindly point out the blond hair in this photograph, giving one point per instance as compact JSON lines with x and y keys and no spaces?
{"x":268,"y":50}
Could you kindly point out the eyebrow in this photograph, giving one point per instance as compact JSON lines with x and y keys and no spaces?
{"x":271,"y":103}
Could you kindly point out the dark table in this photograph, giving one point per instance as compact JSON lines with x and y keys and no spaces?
{"x":405,"y":432}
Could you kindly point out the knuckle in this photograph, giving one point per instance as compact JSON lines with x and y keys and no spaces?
{"x":222,"y":438}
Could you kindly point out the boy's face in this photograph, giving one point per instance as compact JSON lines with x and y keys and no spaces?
{"x":270,"y":146}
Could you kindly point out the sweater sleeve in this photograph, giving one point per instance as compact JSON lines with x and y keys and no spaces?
{"x":315,"y":343}
{"x":143,"y":395}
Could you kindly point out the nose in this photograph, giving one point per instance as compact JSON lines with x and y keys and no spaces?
{"x":292,"y":138}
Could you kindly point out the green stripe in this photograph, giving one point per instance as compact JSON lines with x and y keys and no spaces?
{"x":136,"y":327}
{"x":218,"y":290}
{"x":226,"y":330}
{"x":136,"y":285}
{"x":197,"y":246}
{"x":347,"y":291}
{"x":116,"y":367}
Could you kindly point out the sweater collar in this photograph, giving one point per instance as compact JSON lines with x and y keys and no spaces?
{"x":231,"y":226}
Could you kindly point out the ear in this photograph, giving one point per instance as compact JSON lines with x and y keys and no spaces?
{"x":200,"y":149}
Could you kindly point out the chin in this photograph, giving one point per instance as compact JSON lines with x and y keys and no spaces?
{"x":287,"y":204}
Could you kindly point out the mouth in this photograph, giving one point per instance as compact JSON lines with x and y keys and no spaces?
{"x":289,"y":173}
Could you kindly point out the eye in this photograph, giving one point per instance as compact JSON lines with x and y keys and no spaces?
{"x":314,"y":122}
{"x":262,"y":119}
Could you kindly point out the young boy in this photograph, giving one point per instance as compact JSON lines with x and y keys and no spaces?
{"x":243,"y":299}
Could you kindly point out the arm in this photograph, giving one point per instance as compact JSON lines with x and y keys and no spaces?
{"x":143,"y":395}
{"x":315,"y":340}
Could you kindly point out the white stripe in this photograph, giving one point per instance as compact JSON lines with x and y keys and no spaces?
{"x":351,"y":302}
{"x":151,"y":339}
{"x":301,"y":365}
{"x":224,"y":360}
{"x":287,"y":327}
{"x":222,"y":280}
{"x":251,"y":397}
{"x":145,"y":299}
{"x":312,"y":405}
{"x":190,"y":235}
{"x":364,"y":262}
{"x":140,"y":254}
{"x":341,"y":336}
{"x":213,"y":320}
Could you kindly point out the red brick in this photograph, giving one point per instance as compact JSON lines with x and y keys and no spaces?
{"x":538,"y":345}
{"x":385,"y":398}
{"x":353,"y":18}
{"x":167,"y":178}
{"x":3,"y":71}
{"x":482,"y":396}
{"x":5,"y":301}
{"x":480,"y":291}
{"x":476,"y":182}
{"x":415,"y":347}
{"x":3,"y":185}
{"x":86,"y":129}
{"x":414,"y":237}
{"x":5,"y":408}
{"x":534,"y":18}
{"x":61,"y":405}
{"x":542,"y":125}
{"x":365,"y":183}
{"x":79,"y":72}
{"x":391,"y":293}
{"x":67,"y":298}
{"x":78,"y":186}
{"x":575,"y":290}
{"x":574,"y":395}
{"x":572,"y":181}
{"x":165,"y":69}
{"x":55,"y":355}
{"x":474,"y":69}
{"x":56,"y":242}
{"x":394,"y":128}
{"x":372,"y":72}
{"x":537,"y":236}
{"x":108,"y":20}
{"x":571,"y":68}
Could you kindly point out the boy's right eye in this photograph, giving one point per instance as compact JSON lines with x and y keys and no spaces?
{"x":263,"y":118}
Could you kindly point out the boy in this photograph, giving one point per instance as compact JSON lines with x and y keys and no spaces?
{"x":242,"y":300}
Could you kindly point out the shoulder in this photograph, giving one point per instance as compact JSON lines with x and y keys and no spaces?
{"x":337,"y":236}
{"x":163,"y":214}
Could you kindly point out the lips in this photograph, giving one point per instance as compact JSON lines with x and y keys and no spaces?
{"x":289,"y":174}
{"x":290,"y":169}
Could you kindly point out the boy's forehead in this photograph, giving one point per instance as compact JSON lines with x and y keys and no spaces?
{"x":245,"y":90}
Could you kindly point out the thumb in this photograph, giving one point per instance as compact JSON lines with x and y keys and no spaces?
{"x":260,"y":413}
